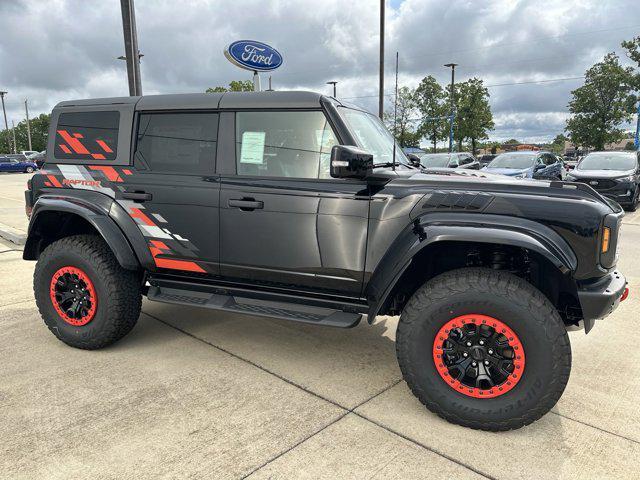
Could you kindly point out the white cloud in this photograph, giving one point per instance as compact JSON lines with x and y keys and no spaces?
{"x":62,"y":49}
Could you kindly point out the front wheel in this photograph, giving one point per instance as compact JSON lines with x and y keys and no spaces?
{"x":29,"y":170}
{"x":84,"y":296}
{"x":483,"y":349}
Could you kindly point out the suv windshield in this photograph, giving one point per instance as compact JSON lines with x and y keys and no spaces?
{"x":608,"y":161}
{"x":512,"y":160}
{"x":373,"y":136}
{"x":435,"y":159}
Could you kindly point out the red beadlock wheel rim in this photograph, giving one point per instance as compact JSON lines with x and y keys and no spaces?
{"x":73,"y":296}
{"x":478,"y":356}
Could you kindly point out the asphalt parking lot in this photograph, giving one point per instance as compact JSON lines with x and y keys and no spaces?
{"x":191,"y":393}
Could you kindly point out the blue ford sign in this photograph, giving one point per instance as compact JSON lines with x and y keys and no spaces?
{"x":252,"y":55}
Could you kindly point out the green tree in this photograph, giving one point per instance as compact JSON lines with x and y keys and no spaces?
{"x":602,"y":104}
{"x":234,"y":86}
{"x":473,"y":119}
{"x":557,"y":146}
{"x":401,"y":125}
{"x":633,"y":52}
{"x":39,"y":133}
{"x":430,"y":102}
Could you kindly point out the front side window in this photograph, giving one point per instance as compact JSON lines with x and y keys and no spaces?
{"x":177,"y":142}
{"x":283,"y":144}
{"x":87,"y":136}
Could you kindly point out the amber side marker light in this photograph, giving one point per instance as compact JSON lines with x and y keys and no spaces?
{"x":606,"y":236}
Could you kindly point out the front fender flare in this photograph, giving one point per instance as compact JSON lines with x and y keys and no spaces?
{"x":95,"y":213}
{"x":493,"y":229}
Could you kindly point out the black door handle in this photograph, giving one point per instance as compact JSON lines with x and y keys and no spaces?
{"x":246,"y":204}
{"x":137,"y":196}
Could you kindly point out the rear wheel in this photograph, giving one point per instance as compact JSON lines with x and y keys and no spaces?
{"x":84,"y":296}
{"x":483,"y":349}
{"x":29,"y":170}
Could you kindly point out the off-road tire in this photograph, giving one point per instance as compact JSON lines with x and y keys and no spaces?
{"x":118,"y":291}
{"x":503,"y":296}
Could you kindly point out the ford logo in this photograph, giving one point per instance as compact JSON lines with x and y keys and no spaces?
{"x":593,"y":182}
{"x":252,"y":55}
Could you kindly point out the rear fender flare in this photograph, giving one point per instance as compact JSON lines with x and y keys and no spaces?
{"x":95,"y":213}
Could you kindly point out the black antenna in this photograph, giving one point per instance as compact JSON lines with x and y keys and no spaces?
{"x":395,"y":118}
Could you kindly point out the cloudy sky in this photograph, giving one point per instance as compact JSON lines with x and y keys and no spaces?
{"x":53,"y":50}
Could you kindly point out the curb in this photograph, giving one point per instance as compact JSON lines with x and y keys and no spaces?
{"x":12,"y":235}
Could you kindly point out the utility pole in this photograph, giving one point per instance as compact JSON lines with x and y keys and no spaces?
{"x":26,"y":111}
{"x":6,"y":124}
{"x":132,"y":53}
{"x":334,"y":88}
{"x":453,"y":103}
{"x":13,"y":132}
{"x":381,"y":87}
{"x":395,"y":117}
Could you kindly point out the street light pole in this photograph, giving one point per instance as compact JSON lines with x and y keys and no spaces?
{"x":6,"y":124}
{"x":26,"y":111}
{"x":334,"y":88}
{"x":381,"y":86}
{"x":13,"y":133}
{"x":132,"y":53}
{"x":453,"y":103}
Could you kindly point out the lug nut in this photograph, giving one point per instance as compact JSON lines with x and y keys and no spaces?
{"x":468,"y":344}
{"x":465,"y":354}
{"x":486,"y":362}
{"x":473,"y":364}
{"x":490,"y":352}
{"x":481,"y":342}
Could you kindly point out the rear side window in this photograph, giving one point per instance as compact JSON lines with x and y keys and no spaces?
{"x":177,"y":142}
{"x":87,"y":136}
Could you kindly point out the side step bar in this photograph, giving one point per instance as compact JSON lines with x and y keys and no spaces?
{"x":257,"y":307}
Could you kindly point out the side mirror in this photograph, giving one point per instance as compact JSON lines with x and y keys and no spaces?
{"x":414,"y":159}
{"x":350,"y":162}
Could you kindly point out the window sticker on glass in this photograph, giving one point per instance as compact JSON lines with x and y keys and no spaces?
{"x":252,"y":149}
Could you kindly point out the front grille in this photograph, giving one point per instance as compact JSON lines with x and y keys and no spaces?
{"x":598,"y":183}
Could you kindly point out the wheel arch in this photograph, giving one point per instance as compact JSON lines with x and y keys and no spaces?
{"x":427,"y":249}
{"x":54,"y":218}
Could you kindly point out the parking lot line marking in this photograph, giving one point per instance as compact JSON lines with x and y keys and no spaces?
{"x":346,"y":410}
{"x":12,"y":199}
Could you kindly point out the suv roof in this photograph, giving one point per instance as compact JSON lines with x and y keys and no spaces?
{"x":282,"y":99}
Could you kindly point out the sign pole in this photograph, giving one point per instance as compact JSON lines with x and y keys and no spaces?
{"x":637,"y":141}
{"x":256,"y":81}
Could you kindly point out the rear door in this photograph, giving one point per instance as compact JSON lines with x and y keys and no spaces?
{"x":551,"y":167}
{"x":173,"y":192}
{"x":284,"y":221}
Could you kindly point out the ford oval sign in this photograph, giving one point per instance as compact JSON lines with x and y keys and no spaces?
{"x":255,"y":56}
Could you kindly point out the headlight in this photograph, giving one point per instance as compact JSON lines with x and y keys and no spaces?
{"x":626,"y":179}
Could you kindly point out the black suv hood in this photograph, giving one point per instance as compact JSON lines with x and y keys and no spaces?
{"x":608,"y":174}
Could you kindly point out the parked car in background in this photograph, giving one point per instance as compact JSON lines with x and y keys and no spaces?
{"x":486,"y":159}
{"x":615,"y":175}
{"x":17,"y":163}
{"x":27,"y":153}
{"x":570,"y":162}
{"x":38,"y":159}
{"x":449,"y":160}
{"x":527,"y":164}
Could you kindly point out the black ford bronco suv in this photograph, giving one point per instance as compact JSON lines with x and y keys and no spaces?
{"x":295,"y":206}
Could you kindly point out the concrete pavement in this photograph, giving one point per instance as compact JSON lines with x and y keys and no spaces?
{"x":13,"y":221}
{"x":191,"y":393}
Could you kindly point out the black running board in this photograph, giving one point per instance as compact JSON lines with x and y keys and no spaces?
{"x":256,"y":307}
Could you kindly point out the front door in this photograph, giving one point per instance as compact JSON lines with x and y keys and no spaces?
{"x":284,"y":221}
{"x":172,"y":192}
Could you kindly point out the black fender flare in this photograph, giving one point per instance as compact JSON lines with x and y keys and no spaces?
{"x":430,"y":229}
{"x":95,"y":212}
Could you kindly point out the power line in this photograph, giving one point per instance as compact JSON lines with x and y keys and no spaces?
{"x":527,"y":82}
